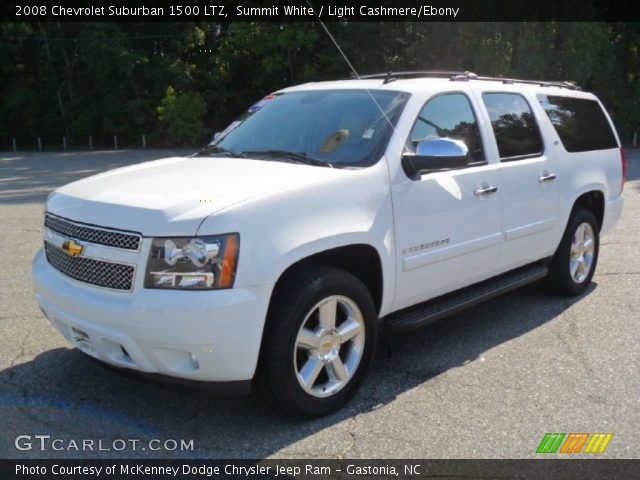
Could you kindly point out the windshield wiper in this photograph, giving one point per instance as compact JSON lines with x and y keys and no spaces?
{"x":286,"y":155}
{"x":216,"y":150}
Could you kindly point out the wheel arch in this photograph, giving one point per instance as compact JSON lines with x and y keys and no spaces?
{"x":592,"y":200}
{"x":360,"y":259}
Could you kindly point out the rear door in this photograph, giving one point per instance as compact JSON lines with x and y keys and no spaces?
{"x":528,"y":178}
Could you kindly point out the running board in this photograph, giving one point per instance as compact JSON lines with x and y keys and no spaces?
{"x":424,"y":313}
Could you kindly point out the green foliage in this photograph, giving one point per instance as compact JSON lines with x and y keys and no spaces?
{"x":180,"y":117}
{"x":77,"y":79}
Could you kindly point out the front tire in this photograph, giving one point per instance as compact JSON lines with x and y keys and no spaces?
{"x":575,"y":260}
{"x":319,"y":339}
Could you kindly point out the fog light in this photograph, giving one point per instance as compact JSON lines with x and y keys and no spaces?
{"x":204,"y":280}
{"x":183,"y":279}
{"x":162,"y":280}
{"x":195,"y":362}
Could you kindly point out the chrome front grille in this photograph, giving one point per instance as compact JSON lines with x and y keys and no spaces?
{"x":96,"y":272}
{"x":92,"y":234}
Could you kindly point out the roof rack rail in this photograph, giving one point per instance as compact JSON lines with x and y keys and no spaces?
{"x":391,"y":76}
{"x":457,"y":76}
{"x":543,"y":83}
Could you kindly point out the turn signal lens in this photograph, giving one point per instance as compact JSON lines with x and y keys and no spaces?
{"x":229,"y":260}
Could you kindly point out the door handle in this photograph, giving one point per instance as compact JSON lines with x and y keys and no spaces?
{"x":485,"y":189}
{"x":546,"y":177}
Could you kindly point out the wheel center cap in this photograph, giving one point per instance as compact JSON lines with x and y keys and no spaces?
{"x":329,"y":344}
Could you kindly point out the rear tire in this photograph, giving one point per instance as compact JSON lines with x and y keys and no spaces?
{"x":319,"y":339}
{"x":575,"y":260}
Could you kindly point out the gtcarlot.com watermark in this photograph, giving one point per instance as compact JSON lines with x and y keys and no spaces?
{"x":49,"y":443}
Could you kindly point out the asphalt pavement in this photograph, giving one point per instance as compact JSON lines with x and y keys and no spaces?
{"x":486,"y":383}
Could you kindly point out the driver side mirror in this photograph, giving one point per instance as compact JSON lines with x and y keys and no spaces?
{"x":435,"y":154}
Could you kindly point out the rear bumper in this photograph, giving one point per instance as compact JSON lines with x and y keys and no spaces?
{"x":211,"y":336}
{"x":612,"y":213}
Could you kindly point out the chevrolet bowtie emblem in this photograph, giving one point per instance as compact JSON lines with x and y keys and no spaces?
{"x":72,"y":248}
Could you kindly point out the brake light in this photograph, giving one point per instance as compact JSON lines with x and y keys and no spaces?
{"x":624,"y":168}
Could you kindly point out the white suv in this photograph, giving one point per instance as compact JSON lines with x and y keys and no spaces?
{"x":326,"y":213}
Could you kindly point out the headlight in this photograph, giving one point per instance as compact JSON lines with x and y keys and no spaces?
{"x":194,"y":263}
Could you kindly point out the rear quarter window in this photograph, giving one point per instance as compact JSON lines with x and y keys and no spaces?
{"x":514,"y":126}
{"x":580,"y":123}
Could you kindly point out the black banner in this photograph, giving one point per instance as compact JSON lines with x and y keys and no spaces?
{"x":312,"y":10}
{"x":548,"y":469}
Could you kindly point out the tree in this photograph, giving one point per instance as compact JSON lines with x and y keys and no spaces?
{"x":180,"y":117}
{"x":103,"y":78}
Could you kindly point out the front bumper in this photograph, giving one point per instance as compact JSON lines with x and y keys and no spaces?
{"x":197,"y":335}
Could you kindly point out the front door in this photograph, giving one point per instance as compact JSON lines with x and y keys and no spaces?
{"x":448,"y":225}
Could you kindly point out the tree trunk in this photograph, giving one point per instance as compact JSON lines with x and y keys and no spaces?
{"x":47,"y":49}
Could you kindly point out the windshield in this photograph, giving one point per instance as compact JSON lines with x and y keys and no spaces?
{"x":341,"y":128}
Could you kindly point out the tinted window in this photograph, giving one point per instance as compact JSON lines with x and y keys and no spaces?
{"x":580,"y":123}
{"x":514,"y":125}
{"x":449,"y":116}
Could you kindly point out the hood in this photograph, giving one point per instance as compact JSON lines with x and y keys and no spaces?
{"x":172,"y":196}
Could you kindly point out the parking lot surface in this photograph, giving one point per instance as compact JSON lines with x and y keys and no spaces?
{"x":486,"y":383}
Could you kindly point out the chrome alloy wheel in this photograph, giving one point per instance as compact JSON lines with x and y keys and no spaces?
{"x":329,"y":346}
{"x":581,"y":255}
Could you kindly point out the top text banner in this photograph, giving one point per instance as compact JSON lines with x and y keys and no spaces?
{"x":312,"y":10}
